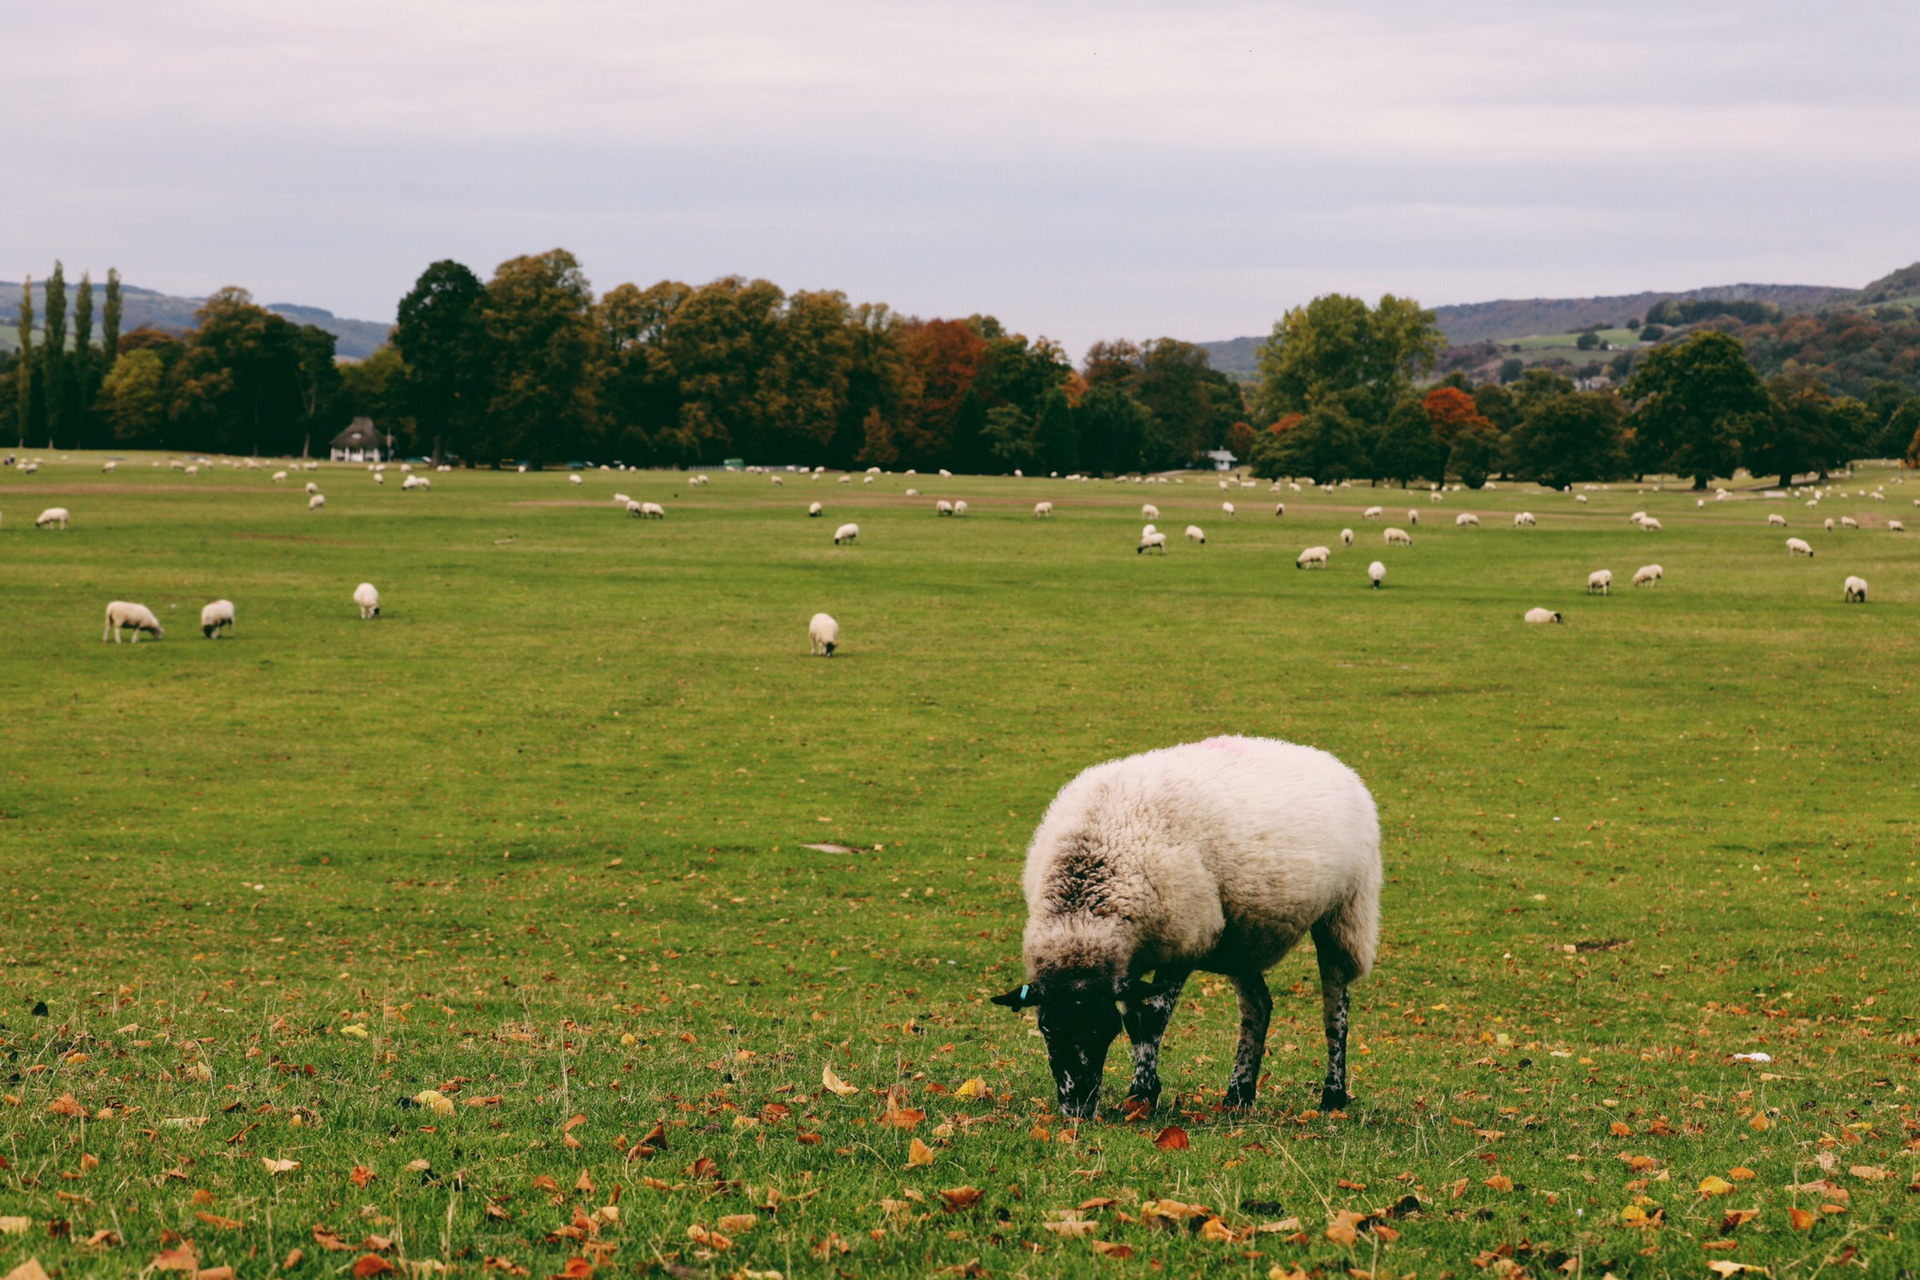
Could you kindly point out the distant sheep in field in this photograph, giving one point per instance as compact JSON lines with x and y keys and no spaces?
{"x":1848,"y":522}
{"x":814,"y":509}
{"x":312,"y":488}
{"x":1376,"y":574}
{"x":1799,"y":547}
{"x":1776,"y":520}
{"x":1829,"y":524}
{"x":844,"y":480}
{"x":414,"y":484}
{"x":379,"y":477}
{"x":574,"y":479}
{"x":1894,"y":526}
{"x":1579,"y":497}
{"x":846,"y":533}
{"x":621,"y":499}
{"x":1523,"y":520}
{"x":1856,"y":590}
{"x":652,"y":511}
{"x":863,"y":479}
{"x":1346,"y":537}
{"x":52,"y":516}
{"x":1313,"y":558}
{"x":960,"y":506}
{"x":778,"y":480}
{"x":1647,"y":575}
{"x":1372,"y":513}
{"x":134,"y":617}
{"x":193,"y":470}
{"x":1196,"y":534}
{"x":1227,"y":508}
{"x":368,"y":598}
{"x":1543,"y":615}
{"x":1600,"y":581}
{"x":1466,"y":520}
{"x":1413,"y":515}
{"x":943,"y":508}
{"x":110,"y":465}
{"x":1149,"y":512}
{"x":215,"y":618}
{"x":823,"y":635}
{"x":1398,"y":537}
{"x":1636,"y":517}
{"x":1154,"y":541}
{"x":1042,"y":509}
{"x":1279,"y":508}
{"x":1218,"y":855}
{"x":1435,"y":496}
{"x":1651,"y":524}
{"x":635,"y":509}
{"x":913,"y":493}
{"x":1146,"y":529}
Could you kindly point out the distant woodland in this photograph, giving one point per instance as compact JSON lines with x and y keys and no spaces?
{"x":533,"y":365}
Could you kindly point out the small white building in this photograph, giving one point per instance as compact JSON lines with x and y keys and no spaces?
{"x":361,"y":442}
{"x":1222,"y":460}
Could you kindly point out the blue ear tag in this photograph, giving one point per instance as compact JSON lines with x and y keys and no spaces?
{"x":1023,"y":991}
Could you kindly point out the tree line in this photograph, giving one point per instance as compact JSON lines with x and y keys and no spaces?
{"x":532,"y":365}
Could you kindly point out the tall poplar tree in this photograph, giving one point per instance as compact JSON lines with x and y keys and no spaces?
{"x":110,"y":323}
{"x":24,"y":390}
{"x":84,"y":376}
{"x":54,"y":358}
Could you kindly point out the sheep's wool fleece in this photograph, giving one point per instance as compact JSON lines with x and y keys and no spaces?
{"x":1216,"y":854}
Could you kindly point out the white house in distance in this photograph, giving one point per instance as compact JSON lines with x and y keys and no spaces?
{"x":361,"y":442}
{"x":1222,"y":459}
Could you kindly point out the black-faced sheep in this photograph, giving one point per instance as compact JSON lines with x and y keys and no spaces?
{"x":215,"y":618}
{"x":1600,"y":581}
{"x":1313,"y":558}
{"x":134,"y":617}
{"x":1218,"y":856}
{"x":1154,"y":541}
{"x":1856,"y":590}
{"x":1543,"y":615}
{"x":1799,"y":547}
{"x":1377,"y":574}
{"x":52,"y":516}
{"x":1647,"y":575}
{"x":1042,"y":509}
{"x":823,"y":635}
{"x":1196,"y":534}
{"x":846,"y":533}
{"x":367,"y":596}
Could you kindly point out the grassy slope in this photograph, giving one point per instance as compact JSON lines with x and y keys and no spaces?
{"x":555,"y":797}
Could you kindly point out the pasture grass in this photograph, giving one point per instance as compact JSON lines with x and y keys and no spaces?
{"x":539,"y":839}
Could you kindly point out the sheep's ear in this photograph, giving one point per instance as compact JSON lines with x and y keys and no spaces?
{"x":1024,"y":996}
{"x":1145,"y":988}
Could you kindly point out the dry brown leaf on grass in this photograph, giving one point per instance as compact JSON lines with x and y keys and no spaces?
{"x":1499,"y":1182}
{"x":1109,"y":1249}
{"x":215,"y":1220}
{"x":958,"y":1198}
{"x":918,"y":1153}
{"x":738,"y":1223}
{"x":1872,"y":1173}
{"x":101,"y":1239}
{"x":221,"y":1272}
{"x":1072,"y":1228}
{"x":708,"y":1238}
{"x":179,"y":1258}
{"x":1802,"y":1219}
{"x":1737,"y":1218}
{"x":328,"y":1240}
{"x":1172,"y":1138}
{"x":279,"y":1166}
{"x":361,"y":1175}
{"x":902,"y":1117}
{"x":371,"y":1264}
{"x":13,"y":1224}
{"x":1728,"y":1267}
{"x":834,"y":1084}
{"x":1345,"y":1227}
{"x":974,"y":1088}
{"x":294,"y":1258}
{"x":28,"y":1270}
{"x":64,"y":1105}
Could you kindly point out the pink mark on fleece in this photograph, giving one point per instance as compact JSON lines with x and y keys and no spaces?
{"x":1238,"y":746}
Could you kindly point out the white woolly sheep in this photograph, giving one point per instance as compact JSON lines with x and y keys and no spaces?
{"x":52,"y":516}
{"x":312,"y":488}
{"x":1279,"y":508}
{"x":1651,"y":524}
{"x":1776,"y":520}
{"x":960,"y":506}
{"x":1542,"y":615}
{"x":574,"y":479}
{"x":1042,"y":509}
{"x":823,"y":635}
{"x":1313,"y":558}
{"x":110,"y":465}
{"x":652,"y":511}
{"x":1346,"y":537}
{"x":1196,"y":534}
{"x":414,"y":483}
{"x":1466,"y":520}
{"x":134,"y":617}
{"x":635,"y":509}
{"x":846,"y":533}
{"x":215,"y":618}
{"x":1856,"y":590}
{"x":1149,"y":512}
{"x":844,"y":480}
{"x":1829,"y":524}
{"x":1155,"y":541}
{"x":1376,"y":574}
{"x":1146,"y":529}
{"x":777,"y":480}
{"x":1636,"y":517}
{"x":1894,"y":526}
{"x":1523,"y":520}
{"x":913,"y":493}
{"x":1413,"y":515}
{"x":1435,"y":496}
{"x":943,"y":508}
{"x":1218,"y":856}
{"x":863,"y":479}
{"x":1648,"y":574}
{"x":1579,"y":497}
{"x":1600,"y":581}
{"x":279,"y":476}
{"x":814,"y":509}
{"x":1398,"y":537}
{"x":1226,"y":508}
{"x":316,"y":502}
{"x":1372,"y":513}
{"x":193,"y":470}
{"x":379,"y":477}
{"x":1848,"y":522}
{"x":368,"y":598}
{"x":1799,"y":547}
{"x":621,"y":499}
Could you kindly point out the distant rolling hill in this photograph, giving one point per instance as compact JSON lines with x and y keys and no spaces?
{"x":1512,"y":318}
{"x":357,"y":339}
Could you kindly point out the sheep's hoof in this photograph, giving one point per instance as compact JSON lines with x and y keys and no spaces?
{"x":1239,"y":1097}
{"x":1139,"y":1106}
{"x":1334,"y":1099}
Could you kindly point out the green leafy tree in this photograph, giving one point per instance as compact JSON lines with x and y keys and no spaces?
{"x":537,"y":318}
{"x":24,"y":377}
{"x":1009,"y":435}
{"x":1113,"y":428}
{"x":1698,"y":402}
{"x":134,"y":398}
{"x":1335,"y":347}
{"x":110,"y":322}
{"x":250,"y":381}
{"x":53,"y":358}
{"x":440,"y":337}
{"x":971,"y":452}
{"x":1407,"y":449}
{"x":1056,"y":433}
{"x":1475,"y":454}
{"x":1573,"y":435}
{"x":1328,"y":442}
{"x":84,"y":376}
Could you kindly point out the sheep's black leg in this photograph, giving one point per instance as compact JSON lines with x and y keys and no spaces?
{"x":1256,"y":1010}
{"x":1333,"y":1002}
{"x":1146,"y":1021}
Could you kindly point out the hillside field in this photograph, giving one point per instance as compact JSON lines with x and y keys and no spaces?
{"x":544,"y":838}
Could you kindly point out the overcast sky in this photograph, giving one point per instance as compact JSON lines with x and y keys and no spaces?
{"x":1082,"y":170}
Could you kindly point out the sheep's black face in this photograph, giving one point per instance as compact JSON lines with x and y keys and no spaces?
{"x":1079,"y":1020}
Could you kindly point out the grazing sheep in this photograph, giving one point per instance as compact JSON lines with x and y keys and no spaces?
{"x":1196,"y":534}
{"x":1398,"y":537}
{"x":1829,"y":524}
{"x":863,"y":479}
{"x":1376,"y":574}
{"x":1466,"y":520}
{"x":960,"y":507}
{"x":1542,"y":615}
{"x":1799,"y":547}
{"x":415,"y":483}
{"x":1435,"y":496}
{"x":943,"y":508}
{"x":1042,"y":509}
{"x":777,"y":480}
{"x":52,"y":516}
{"x":110,"y":465}
{"x":1413,"y":515}
{"x":1218,"y":856}
{"x":814,"y":509}
{"x":1856,"y":590}
{"x":215,"y":618}
{"x":1155,"y":541}
{"x":823,"y":635}
{"x":846,"y":533}
{"x":193,"y":470}
{"x":316,"y":502}
{"x":1372,"y":513}
{"x":1279,"y":508}
{"x":635,"y":509}
{"x":1894,"y":526}
{"x":1313,"y":558}
{"x":1650,"y":524}
{"x":379,"y":477}
{"x":844,"y":480}
{"x":368,"y":598}
{"x":1227,"y":508}
{"x":621,"y":499}
{"x":1636,"y":517}
{"x":1146,"y":529}
{"x":1149,"y":512}
{"x":1524,"y":520}
{"x":1346,"y":537}
{"x":1776,"y":520}
{"x":279,"y":476}
{"x":1648,"y":574}
{"x":652,"y":511}
{"x":1848,"y":522}
{"x":135,"y":617}
{"x":913,"y":493}
{"x":1579,"y":497}
{"x":1601,"y":581}
{"x":312,"y":488}
{"x":575,"y":480}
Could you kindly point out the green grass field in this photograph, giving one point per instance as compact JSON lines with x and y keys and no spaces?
{"x":538,"y":839}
